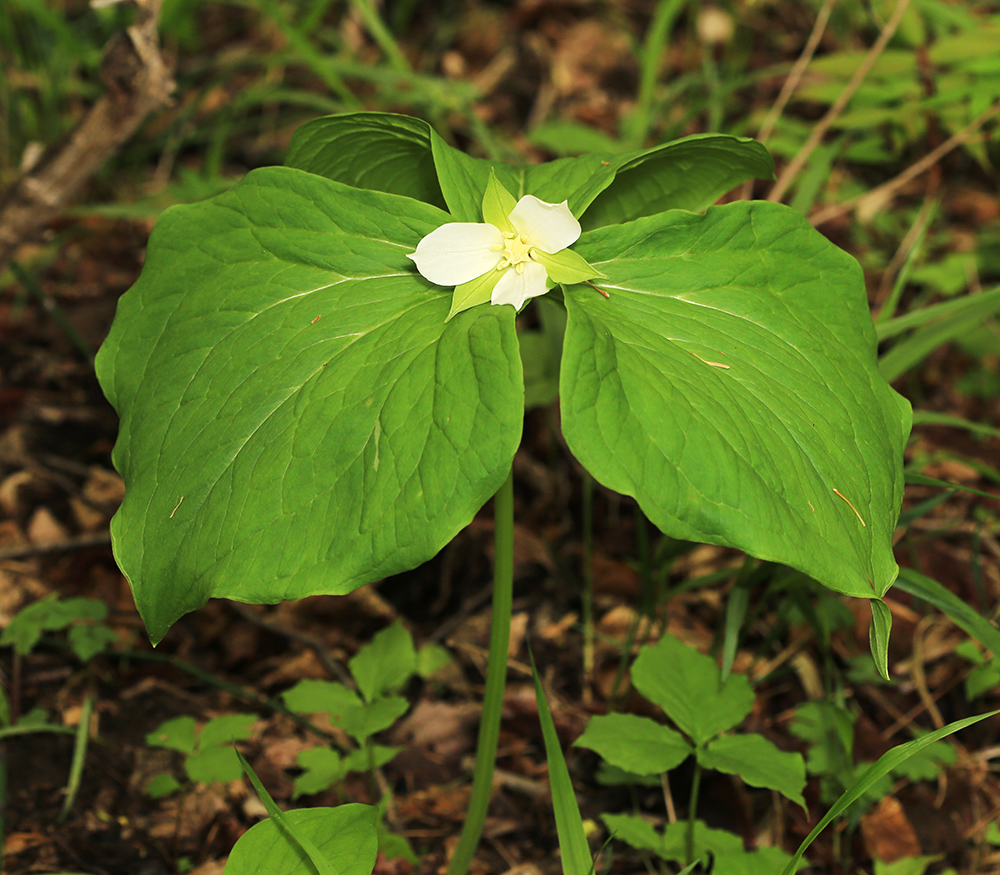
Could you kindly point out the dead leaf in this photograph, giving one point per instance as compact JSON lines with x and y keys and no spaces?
{"x":887,"y":832}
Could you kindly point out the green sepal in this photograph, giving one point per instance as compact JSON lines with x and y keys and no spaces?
{"x":497,"y":205}
{"x":474,"y":292}
{"x":567,"y":267}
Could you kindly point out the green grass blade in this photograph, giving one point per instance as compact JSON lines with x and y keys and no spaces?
{"x":925,"y":315}
{"x":79,"y":757}
{"x":576,"y":858}
{"x":961,"y":614}
{"x":923,"y":480}
{"x":323,"y":866}
{"x":885,"y":764}
{"x":930,"y":417}
{"x":910,"y":352}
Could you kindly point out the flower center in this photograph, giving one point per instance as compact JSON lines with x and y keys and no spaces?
{"x":516,"y":252}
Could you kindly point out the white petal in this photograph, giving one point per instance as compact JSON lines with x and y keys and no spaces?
{"x":458,"y":252}
{"x":550,"y":227}
{"x":516,"y":288}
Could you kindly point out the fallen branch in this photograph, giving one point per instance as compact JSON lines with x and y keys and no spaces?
{"x":138,"y":80}
{"x":882,"y":192}
{"x":788,"y":175}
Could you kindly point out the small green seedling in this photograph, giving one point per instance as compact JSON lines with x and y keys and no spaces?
{"x":985,"y":674}
{"x":686,"y":685}
{"x":380,"y":669}
{"x":828,"y":729}
{"x":82,"y":617}
{"x":209,"y":755}
{"x":309,"y":841}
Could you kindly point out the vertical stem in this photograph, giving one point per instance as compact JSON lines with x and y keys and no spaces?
{"x":496,"y":677}
{"x":587,"y":597}
{"x":692,"y":813}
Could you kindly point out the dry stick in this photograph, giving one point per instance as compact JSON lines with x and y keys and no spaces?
{"x":911,"y":239}
{"x":138,"y":81}
{"x":791,"y":83}
{"x":911,"y":172}
{"x":816,"y":137}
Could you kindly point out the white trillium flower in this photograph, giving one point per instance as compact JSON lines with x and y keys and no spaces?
{"x":508,"y":260}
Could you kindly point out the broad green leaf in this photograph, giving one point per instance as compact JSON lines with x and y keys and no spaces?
{"x":49,"y":614}
{"x":927,"y":764}
{"x":687,"y":686}
{"x":671,"y":843}
{"x":879,"y":769}
{"x":878,"y":635}
{"x":573,"y":847}
{"x":315,"y":696}
{"x":636,"y":744}
{"x":304,"y":852}
{"x":322,"y":768}
{"x":369,"y":757}
{"x":366,"y":721}
{"x":374,"y":150}
{"x":176,"y":734}
{"x":344,"y":707}
{"x":603,"y":189}
{"x":385,"y":663}
{"x":226,"y":729}
{"x":729,"y":384}
{"x":296,"y":415}
{"x":346,"y":836}
{"x":907,"y":865}
{"x":959,"y":612}
{"x":87,"y":640}
{"x":689,"y":174}
{"x":431,"y":658}
{"x":213,"y":764}
{"x":162,"y":785}
{"x":829,"y":730}
{"x":758,"y":763}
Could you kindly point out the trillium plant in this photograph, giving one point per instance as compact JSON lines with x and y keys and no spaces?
{"x":321,"y":378}
{"x":519,"y":252}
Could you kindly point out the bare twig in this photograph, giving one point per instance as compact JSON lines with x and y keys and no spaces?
{"x":884,"y":190}
{"x":792,"y":82}
{"x":80,"y":542}
{"x":816,"y":137}
{"x":138,"y":81}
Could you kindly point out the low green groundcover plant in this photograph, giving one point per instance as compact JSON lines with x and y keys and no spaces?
{"x":320,"y":379}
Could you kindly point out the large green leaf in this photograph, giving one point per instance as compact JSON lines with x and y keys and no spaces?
{"x":730,"y":385}
{"x":345,"y":836}
{"x":376,"y":150}
{"x":635,"y":744}
{"x":296,"y":415}
{"x":688,"y":174}
{"x":687,"y":685}
{"x":758,"y":762}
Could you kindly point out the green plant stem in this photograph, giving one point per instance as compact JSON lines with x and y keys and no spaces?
{"x":692,"y":813}
{"x":587,"y":597}
{"x":496,"y":678}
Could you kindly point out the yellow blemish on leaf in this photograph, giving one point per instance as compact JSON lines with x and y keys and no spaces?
{"x":852,"y":507}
